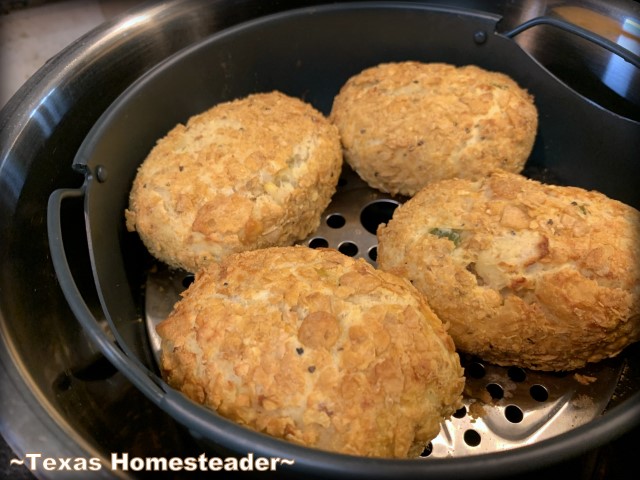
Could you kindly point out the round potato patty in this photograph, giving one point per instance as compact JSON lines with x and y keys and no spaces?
{"x":539,"y":276}
{"x":250,"y":173}
{"x":406,"y":124}
{"x":316,"y":348}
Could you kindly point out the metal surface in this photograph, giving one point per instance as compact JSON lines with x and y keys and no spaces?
{"x":228,"y":66}
{"x":58,"y":395}
{"x":587,"y":67}
{"x":504,"y":408}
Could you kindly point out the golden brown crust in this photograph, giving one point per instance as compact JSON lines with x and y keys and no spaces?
{"x":539,"y":276}
{"x":245,"y":174}
{"x":314,"y":347}
{"x":406,"y":124}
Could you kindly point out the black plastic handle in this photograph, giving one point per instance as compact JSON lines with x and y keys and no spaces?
{"x":592,"y":37}
{"x":144,"y":379}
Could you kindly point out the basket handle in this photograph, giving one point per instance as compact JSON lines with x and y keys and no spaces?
{"x":134,"y":371}
{"x":192,"y":415}
{"x":590,"y":36}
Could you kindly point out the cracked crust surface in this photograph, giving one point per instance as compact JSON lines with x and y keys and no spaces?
{"x":539,"y":276}
{"x":250,"y":173}
{"x":406,"y":124}
{"x":314,"y":347}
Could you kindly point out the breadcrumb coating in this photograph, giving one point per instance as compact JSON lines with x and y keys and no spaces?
{"x":250,"y":173}
{"x":316,"y":348}
{"x":406,"y":124}
{"x":539,"y":276}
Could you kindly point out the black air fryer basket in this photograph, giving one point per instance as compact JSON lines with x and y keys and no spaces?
{"x":309,"y":53}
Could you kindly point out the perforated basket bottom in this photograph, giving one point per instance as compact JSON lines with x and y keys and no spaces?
{"x":503,"y":407}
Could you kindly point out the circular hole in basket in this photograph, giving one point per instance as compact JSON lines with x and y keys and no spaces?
{"x":373,"y":253}
{"x":513,"y":414}
{"x":539,"y":393}
{"x":472,"y":438}
{"x":336,"y":220}
{"x":376,"y":213}
{"x":460,"y":413}
{"x":474,"y":370}
{"x":517,"y":374}
{"x":427,"y":450}
{"x":318,"y":242}
{"x":495,"y":390}
{"x":188,"y":280}
{"x":348,"y":248}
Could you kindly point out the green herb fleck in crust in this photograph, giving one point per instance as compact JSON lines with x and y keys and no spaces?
{"x":449,"y":233}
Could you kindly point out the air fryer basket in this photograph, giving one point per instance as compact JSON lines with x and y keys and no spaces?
{"x":309,"y":53}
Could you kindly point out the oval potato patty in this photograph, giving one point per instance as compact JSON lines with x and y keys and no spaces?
{"x":250,"y":173}
{"x":538,"y":276}
{"x":316,"y":348}
{"x":407,"y":124}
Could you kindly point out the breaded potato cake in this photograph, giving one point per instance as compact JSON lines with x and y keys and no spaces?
{"x":245,"y":174}
{"x":527,"y":274}
{"x":406,"y":124}
{"x":316,"y":348}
